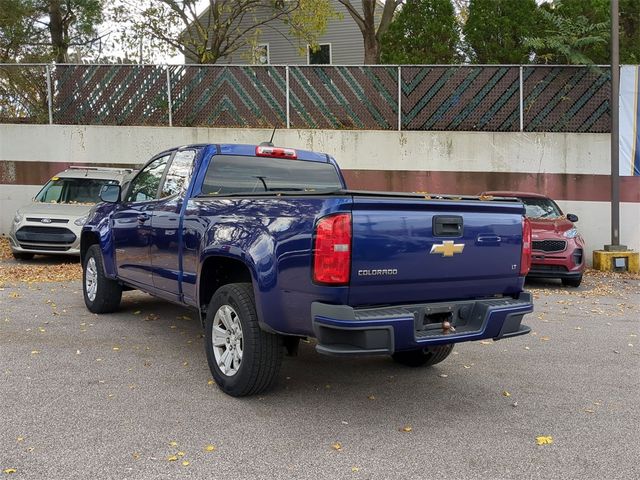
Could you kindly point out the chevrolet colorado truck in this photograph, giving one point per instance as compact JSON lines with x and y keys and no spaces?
{"x":269,"y":246}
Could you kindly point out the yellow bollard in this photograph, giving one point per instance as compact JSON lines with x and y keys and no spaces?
{"x":625,"y":261}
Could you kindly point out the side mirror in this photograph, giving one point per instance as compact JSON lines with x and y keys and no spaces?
{"x":110,"y":193}
{"x":572,"y":218}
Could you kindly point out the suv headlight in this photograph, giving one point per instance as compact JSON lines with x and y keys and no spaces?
{"x":81,"y":221}
{"x":571,"y":233}
{"x":18,"y":218}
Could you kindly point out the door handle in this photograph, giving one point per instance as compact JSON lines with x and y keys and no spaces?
{"x":143,"y":217}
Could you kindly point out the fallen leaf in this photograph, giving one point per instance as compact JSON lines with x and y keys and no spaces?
{"x":35,"y":352}
{"x":588,"y":410}
{"x":544,"y":339}
{"x":355,"y":469}
{"x":443,"y":375}
{"x":544,"y":440}
{"x":172,"y":458}
{"x":371,"y":397}
{"x":137,"y":312}
{"x":116,"y":349}
{"x":9,"y":470}
{"x":336,"y":446}
{"x":180,"y":454}
{"x":210,"y":382}
{"x":210,"y":448}
{"x":506,"y":394}
{"x":173,"y":444}
{"x":135,"y":455}
{"x":406,"y":428}
{"x":185,"y":463}
{"x":485,"y":342}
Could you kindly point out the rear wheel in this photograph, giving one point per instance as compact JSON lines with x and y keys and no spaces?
{"x":22,"y":255}
{"x":572,"y":282}
{"x":424,"y":357}
{"x":101,"y":294}
{"x":243,"y":359}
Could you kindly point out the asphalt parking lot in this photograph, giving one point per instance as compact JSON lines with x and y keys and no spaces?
{"x":129,"y":395}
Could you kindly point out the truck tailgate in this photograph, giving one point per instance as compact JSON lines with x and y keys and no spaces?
{"x":417,"y":250}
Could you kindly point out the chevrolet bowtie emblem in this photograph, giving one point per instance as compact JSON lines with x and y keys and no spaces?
{"x":447,"y":248}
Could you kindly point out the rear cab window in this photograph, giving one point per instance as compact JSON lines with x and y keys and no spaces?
{"x":238,"y":174}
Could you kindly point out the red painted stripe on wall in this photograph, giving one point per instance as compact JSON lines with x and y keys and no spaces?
{"x":595,"y":188}
{"x":37,"y":173}
{"x":580,"y":187}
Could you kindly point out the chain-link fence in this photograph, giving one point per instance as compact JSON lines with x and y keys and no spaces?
{"x":494,"y":98}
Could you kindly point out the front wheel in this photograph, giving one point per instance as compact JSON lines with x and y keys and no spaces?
{"x":424,"y":357}
{"x":101,"y":294}
{"x":243,"y":359}
{"x":572,"y":282}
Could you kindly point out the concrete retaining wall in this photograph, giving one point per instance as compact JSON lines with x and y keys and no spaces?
{"x":571,"y":167}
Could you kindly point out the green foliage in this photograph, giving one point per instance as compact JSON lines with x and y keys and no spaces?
{"x":573,"y":40}
{"x":423,"y":32}
{"x":630,"y":31}
{"x":495,"y":30}
{"x":597,"y":12}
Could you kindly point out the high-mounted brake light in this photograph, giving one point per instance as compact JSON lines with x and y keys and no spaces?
{"x":332,"y":250}
{"x":277,"y":152}
{"x":525,"y":259}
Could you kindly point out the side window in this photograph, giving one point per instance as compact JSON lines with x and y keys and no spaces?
{"x":178,"y":173}
{"x":145,"y":186}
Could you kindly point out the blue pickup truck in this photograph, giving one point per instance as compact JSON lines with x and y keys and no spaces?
{"x":269,"y":246}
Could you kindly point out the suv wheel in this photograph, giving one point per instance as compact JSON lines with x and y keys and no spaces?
{"x":572,"y":282}
{"x":243,"y":359}
{"x":22,"y":255}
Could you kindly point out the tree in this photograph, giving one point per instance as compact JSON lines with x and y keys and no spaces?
{"x":45,"y":30}
{"x":495,"y":30}
{"x":223,"y":28}
{"x":372,"y":29}
{"x":572,"y":40}
{"x":72,"y":23}
{"x":598,"y":12}
{"x":424,"y":31}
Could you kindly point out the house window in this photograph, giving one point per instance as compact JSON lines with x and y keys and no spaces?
{"x":321,"y":56}
{"x":261,"y":54}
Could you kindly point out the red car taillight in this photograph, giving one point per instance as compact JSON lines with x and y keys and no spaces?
{"x":525,"y":259}
{"x":332,"y":250}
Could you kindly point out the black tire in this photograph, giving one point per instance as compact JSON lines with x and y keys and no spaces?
{"x":425,"y":357}
{"x":261,"y":352}
{"x":23,"y":255}
{"x":572,"y":282}
{"x":108,"y":292}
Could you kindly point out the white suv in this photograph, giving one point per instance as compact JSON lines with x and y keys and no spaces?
{"x":52,"y":223}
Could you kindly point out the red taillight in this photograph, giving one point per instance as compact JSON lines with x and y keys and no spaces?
{"x":264,"y":151}
{"x":332,"y":250}
{"x":525,"y":259}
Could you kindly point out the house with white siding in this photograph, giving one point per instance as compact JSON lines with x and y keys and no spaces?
{"x":341,"y":43}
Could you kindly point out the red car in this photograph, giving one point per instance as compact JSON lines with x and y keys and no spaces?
{"x":558,"y":248}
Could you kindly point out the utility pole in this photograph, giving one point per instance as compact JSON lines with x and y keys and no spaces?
{"x":615,"y":130}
